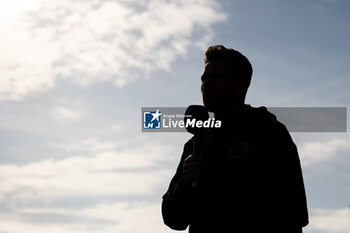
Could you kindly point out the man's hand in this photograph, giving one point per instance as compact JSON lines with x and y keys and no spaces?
{"x":192,"y":168}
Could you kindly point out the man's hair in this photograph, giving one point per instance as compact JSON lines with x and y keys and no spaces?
{"x":240,"y":63}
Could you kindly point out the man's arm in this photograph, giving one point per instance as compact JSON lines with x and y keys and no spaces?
{"x":292,"y":183}
{"x":178,"y":200}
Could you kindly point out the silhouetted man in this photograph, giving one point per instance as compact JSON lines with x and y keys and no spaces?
{"x":248,"y":179}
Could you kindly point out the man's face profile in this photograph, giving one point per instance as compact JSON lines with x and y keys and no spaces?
{"x":221,"y":89}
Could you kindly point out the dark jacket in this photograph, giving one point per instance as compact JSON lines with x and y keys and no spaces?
{"x":252,"y":180}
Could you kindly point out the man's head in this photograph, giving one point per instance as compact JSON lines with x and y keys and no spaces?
{"x":225,"y":79}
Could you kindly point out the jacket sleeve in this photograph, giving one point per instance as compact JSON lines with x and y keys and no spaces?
{"x":292,"y":184}
{"x":177,"y":201}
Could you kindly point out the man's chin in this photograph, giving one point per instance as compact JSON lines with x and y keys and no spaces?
{"x":212,"y":106}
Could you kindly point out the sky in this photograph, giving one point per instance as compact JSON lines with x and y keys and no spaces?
{"x":75,"y":74}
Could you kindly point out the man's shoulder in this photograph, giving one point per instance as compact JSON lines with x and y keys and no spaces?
{"x":260,"y":114}
{"x":264,"y":118}
{"x":270,"y":130}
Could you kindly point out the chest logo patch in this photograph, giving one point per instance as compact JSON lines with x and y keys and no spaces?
{"x":239,"y":150}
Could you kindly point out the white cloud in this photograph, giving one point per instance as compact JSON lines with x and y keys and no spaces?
{"x":109,"y":172}
{"x":330,"y":221}
{"x":90,"y":146}
{"x":66,"y":113}
{"x":24,"y":63}
{"x":95,"y":41}
{"x":96,"y":170}
{"x":128,"y":217}
{"x":104,"y":170}
{"x":320,"y":151}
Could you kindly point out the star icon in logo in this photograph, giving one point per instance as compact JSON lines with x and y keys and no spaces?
{"x":156,"y":115}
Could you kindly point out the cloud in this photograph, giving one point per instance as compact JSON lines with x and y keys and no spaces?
{"x":89,"y":146}
{"x":330,"y":221}
{"x":133,"y":171}
{"x":96,"y":41}
{"x":320,"y":151}
{"x":117,"y":217}
{"x":24,"y":63}
{"x":120,"y":180}
{"x":66,"y":113}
